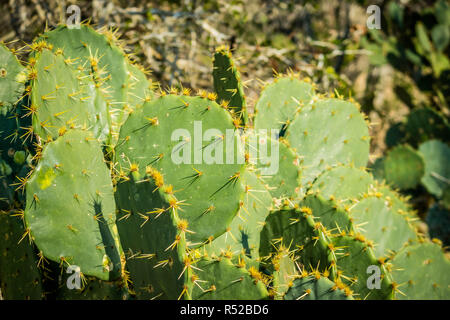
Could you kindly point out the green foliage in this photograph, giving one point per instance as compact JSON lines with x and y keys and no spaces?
{"x":416,"y":42}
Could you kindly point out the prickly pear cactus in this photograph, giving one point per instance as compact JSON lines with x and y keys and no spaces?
{"x":12,"y":79}
{"x":228,"y":84}
{"x":161,"y":195}
{"x":70,"y":200}
{"x":403,"y":167}
{"x":437,"y":172}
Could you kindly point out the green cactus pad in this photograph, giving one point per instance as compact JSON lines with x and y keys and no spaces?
{"x":285,"y":182}
{"x":164,"y":135}
{"x":96,"y":53}
{"x":421,"y":273}
{"x":243,"y":234}
{"x":228,"y":84}
{"x":70,"y":206}
{"x":296,"y":230}
{"x":153,"y":243}
{"x":318,"y":136}
{"x":219,"y":279}
{"x":12,"y":78}
{"x":330,"y":215}
{"x":377,"y":169}
{"x":403,"y":167}
{"x":437,"y":171}
{"x":284,"y":273}
{"x":100,"y":56}
{"x":311,"y":288}
{"x":279,"y":102}
{"x":20,"y":278}
{"x":394,"y":200}
{"x":343,"y":183}
{"x":375,"y":220}
{"x":140,"y":88}
{"x":354,"y":257}
{"x":64,"y":98}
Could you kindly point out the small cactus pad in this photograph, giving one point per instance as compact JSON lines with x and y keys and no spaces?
{"x":189,"y":144}
{"x":354,"y":257}
{"x":284,"y":272}
{"x":228,"y":84}
{"x":20,"y":278}
{"x":343,"y":183}
{"x":140,"y":88}
{"x":377,"y":221}
{"x":296,"y":230}
{"x":403,"y":167}
{"x":313,"y":288}
{"x":62,"y":98}
{"x":437,"y":170}
{"x":284,"y":183}
{"x":279,"y":101}
{"x":243,"y":234}
{"x":421,"y":272}
{"x":12,"y":78}
{"x":330,"y":215}
{"x":70,"y":201}
{"x":328,"y":144}
{"x":220,"y":279}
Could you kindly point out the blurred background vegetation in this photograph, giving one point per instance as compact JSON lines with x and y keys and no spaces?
{"x":399,"y":74}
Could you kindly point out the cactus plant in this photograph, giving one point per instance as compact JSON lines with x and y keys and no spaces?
{"x":437,"y":173}
{"x":12,"y":79}
{"x":403,"y":167}
{"x":162,"y":195}
{"x":228,"y":84}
